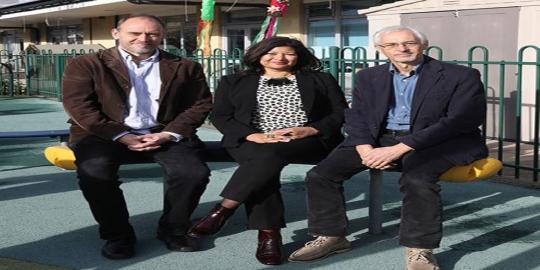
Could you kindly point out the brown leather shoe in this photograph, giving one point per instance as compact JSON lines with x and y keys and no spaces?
{"x":212,"y":222}
{"x":269,"y":248}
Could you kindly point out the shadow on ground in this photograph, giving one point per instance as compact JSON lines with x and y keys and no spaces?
{"x":471,"y":223}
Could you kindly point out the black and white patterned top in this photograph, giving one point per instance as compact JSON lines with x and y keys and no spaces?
{"x":278,"y":106}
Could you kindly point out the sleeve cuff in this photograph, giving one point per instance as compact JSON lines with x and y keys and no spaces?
{"x":175,"y":137}
{"x":120,"y":135}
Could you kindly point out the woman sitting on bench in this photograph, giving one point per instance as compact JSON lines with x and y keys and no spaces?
{"x":280,"y":110}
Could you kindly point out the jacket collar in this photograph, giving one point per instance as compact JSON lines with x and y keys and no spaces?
{"x":168,"y":66}
{"x":306,"y":86}
{"x":382,"y":83}
{"x":112,"y":59}
{"x":430,"y":75}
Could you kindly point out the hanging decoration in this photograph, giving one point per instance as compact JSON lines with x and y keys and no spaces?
{"x":270,"y":25}
{"x":204,"y":27}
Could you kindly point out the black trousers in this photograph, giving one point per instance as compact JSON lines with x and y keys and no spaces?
{"x":185,"y":179}
{"x":256,"y":182}
{"x":421,"y":214}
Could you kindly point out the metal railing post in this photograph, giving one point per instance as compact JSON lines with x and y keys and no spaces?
{"x":333,"y":65}
{"x":58,"y":76}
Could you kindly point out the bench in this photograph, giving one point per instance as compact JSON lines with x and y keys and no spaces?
{"x":62,"y":133}
{"x":61,"y":156}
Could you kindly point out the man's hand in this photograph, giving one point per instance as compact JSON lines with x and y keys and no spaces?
{"x":267,"y":138}
{"x":295,"y":133}
{"x":363,"y":150}
{"x":381,"y":158}
{"x":145,"y":142}
{"x":130,"y":139}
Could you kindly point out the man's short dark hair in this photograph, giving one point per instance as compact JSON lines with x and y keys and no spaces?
{"x":142,"y":15}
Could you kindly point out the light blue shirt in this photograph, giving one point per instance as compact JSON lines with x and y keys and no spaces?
{"x":399,"y":114}
{"x":143,"y":100}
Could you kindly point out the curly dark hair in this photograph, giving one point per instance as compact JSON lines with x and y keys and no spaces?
{"x":306,"y":61}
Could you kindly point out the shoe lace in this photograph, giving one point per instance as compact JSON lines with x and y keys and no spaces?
{"x":317,"y":242}
{"x":420,"y":255}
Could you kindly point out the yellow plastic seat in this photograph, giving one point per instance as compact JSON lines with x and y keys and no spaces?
{"x":60,"y":156}
{"x":478,"y":170}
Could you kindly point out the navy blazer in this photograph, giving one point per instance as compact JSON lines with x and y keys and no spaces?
{"x":236,"y":99}
{"x":448,"y":106}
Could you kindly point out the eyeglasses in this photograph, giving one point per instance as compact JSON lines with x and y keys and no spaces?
{"x":406,"y":44}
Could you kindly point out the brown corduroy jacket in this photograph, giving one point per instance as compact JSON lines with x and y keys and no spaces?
{"x":96,"y":87}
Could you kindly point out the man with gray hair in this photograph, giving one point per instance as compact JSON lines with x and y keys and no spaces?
{"x":416,"y":115}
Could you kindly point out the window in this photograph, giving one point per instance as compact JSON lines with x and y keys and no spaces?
{"x":243,"y":16}
{"x":241,"y":27}
{"x":65,"y":34}
{"x":320,"y":11}
{"x":12,"y":40}
{"x":354,"y":32}
{"x":338,"y":25}
{"x":240,"y":37}
{"x":321,"y":35}
{"x":181,"y":32}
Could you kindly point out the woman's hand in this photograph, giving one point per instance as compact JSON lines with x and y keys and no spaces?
{"x":295,"y":132}
{"x":267,"y":138}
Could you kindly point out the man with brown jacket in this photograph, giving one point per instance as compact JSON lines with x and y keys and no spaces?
{"x":134,"y":103}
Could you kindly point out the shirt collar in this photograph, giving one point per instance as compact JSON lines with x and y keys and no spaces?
{"x":128,"y":57}
{"x":415,"y":70}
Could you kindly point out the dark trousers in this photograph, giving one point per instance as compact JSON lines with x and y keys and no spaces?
{"x":256,"y":181}
{"x":421,"y":214}
{"x":185,"y":179}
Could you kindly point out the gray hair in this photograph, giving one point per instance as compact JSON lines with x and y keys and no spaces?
{"x":396,"y":28}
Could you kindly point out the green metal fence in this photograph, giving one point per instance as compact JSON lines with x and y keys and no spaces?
{"x":512,"y":87}
{"x":12,"y":74}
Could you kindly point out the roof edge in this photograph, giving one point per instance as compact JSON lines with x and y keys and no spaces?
{"x":388,"y":6}
{"x":37,"y":5}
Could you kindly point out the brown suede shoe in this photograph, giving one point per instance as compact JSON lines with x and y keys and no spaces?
{"x":269,"y":248}
{"x":212,"y":222}
{"x":319,"y":248}
{"x":420,"y":259}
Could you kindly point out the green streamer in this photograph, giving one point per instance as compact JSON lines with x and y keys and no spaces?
{"x":207,"y":10}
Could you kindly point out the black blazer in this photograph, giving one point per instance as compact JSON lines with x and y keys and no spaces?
{"x":236,"y":99}
{"x":448,"y":106}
